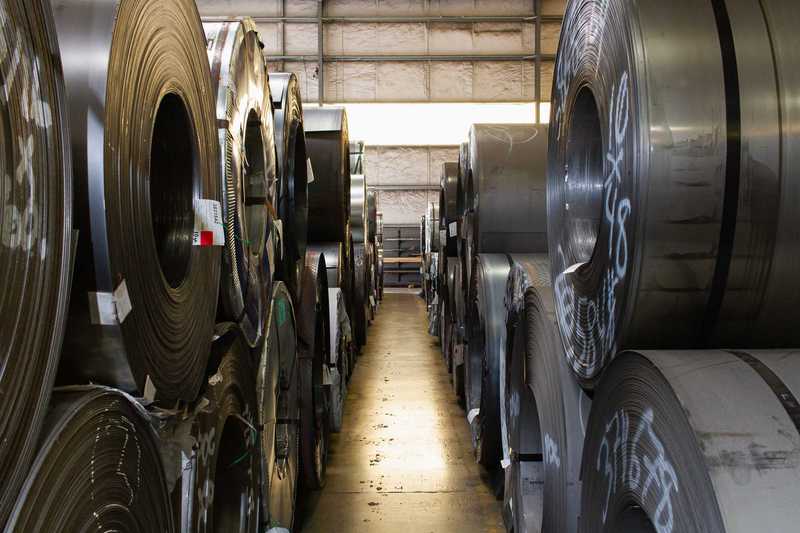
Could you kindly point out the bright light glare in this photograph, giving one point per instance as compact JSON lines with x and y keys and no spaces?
{"x":430,"y":124}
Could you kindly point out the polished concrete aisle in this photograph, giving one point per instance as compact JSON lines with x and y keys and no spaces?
{"x":403,"y":461}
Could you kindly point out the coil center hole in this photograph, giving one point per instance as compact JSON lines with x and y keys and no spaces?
{"x":583,"y":177}
{"x":634,"y":520}
{"x":232,"y":499}
{"x":254,"y":187}
{"x":173,"y":172}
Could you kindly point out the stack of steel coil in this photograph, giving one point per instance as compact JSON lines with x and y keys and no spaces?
{"x":670,"y":212}
{"x":187,"y":386}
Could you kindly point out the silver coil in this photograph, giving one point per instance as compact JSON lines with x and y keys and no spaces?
{"x":277,"y":390}
{"x":334,"y":261}
{"x":98,"y":468}
{"x":341,"y":339}
{"x":358,"y":209}
{"x":225,"y":470}
{"x":147,"y":189}
{"x":694,"y":441}
{"x":670,"y":203}
{"x":543,"y":410}
{"x":360,"y":298}
{"x":36,"y":241}
{"x":372,"y":215}
{"x":448,"y":207}
{"x":329,"y":194}
{"x":313,"y":335}
{"x":291,"y":202}
{"x":247,"y":171}
{"x":486,"y":346}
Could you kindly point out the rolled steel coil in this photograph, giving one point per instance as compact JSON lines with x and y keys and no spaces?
{"x":225,"y":471}
{"x":36,"y":241}
{"x":694,"y":441}
{"x":329,"y":194}
{"x":98,"y":468}
{"x":670,"y":204}
{"x":291,"y":203}
{"x":508,"y":187}
{"x":463,"y":195}
{"x":449,"y":314}
{"x":277,"y":390}
{"x":147,"y":195}
{"x":313,"y":335}
{"x":372,"y":215}
{"x":357,"y":151}
{"x":358,"y":209}
{"x":334,"y":261}
{"x":459,"y":336}
{"x":380,"y":273}
{"x":341,"y":338}
{"x":448,"y":207}
{"x":431,"y":228}
{"x":360,"y":301}
{"x":486,"y":348}
{"x":247,"y":169}
{"x":544,"y":411}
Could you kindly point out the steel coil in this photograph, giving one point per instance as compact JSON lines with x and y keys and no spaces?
{"x":147,"y":195}
{"x":357,"y":153}
{"x":247,"y":169}
{"x":329,"y":194}
{"x":225,"y":471}
{"x":277,"y":390}
{"x":544,"y":411}
{"x":681,"y":441}
{"x":341,"y":338}
{"x":292,"y":191}
{"x":372,"y":215}
{"x":508,"y":187}
{"x":448,"y":207}
{"x":459,"y":336}
{"x":35,"y":233}
{"x":313,"y":334}
{"x":358,"y":209}
{"x":486,"y":346}
{"x":670,"y":202}
{"x":360,"y":301}
{"x":98,"y":469}
{"x":463,"y":195}
{"x":334,"y":261}
{"x":380,"y":272}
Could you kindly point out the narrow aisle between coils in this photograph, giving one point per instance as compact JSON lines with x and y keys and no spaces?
{"x":403,"y":460}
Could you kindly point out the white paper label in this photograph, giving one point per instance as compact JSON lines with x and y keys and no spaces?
{"x":122,"y":301}
{"x":453,"y":228}
{"x":326,"y":375}
{"x":371,"y":301}
{"x":505,"y":463}
{"x":208,"y":229}
{"x":310,"y":171}
{"x":472,"y":414}
{"x":149,"y":389}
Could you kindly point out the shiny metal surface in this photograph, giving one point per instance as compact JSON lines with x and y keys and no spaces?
{"x":341,"y":340}
{"x":247,"y":169}
{"x":372,"y":215}
{"x":357,"y":153}
{"x":329,"y":195}
{"x":277,"y":391}
{"x":668,"y":178}
{"x":543,"y":409}
{"x":334,"y":261}
{"x":486,"y":348}
{"x":464,"y":169}
{"x":313,"y":338}
{"x":448,"y":206}
{"x":291,"y":202}
{"x":360,"y":298}
{"x":507,"y":185}
{"x":144,"y":150}
{"x":36,"y":241}
{"x":98,"y":467}
{"x":226,"y":471}
{"x":358,"y":209}
{"x":403,"y":461}
{"x":694,"y":441}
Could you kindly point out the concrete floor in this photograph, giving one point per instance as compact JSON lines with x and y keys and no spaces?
{"x":403,"y":461}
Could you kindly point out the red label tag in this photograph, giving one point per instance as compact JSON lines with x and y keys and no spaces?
{"x":206,"y":238}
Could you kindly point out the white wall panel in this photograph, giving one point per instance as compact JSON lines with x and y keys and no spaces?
{"x":407,"y":165}
{"x":404,"y":207}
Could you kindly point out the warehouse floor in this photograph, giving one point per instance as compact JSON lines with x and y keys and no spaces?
{"x":403,"y":461}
